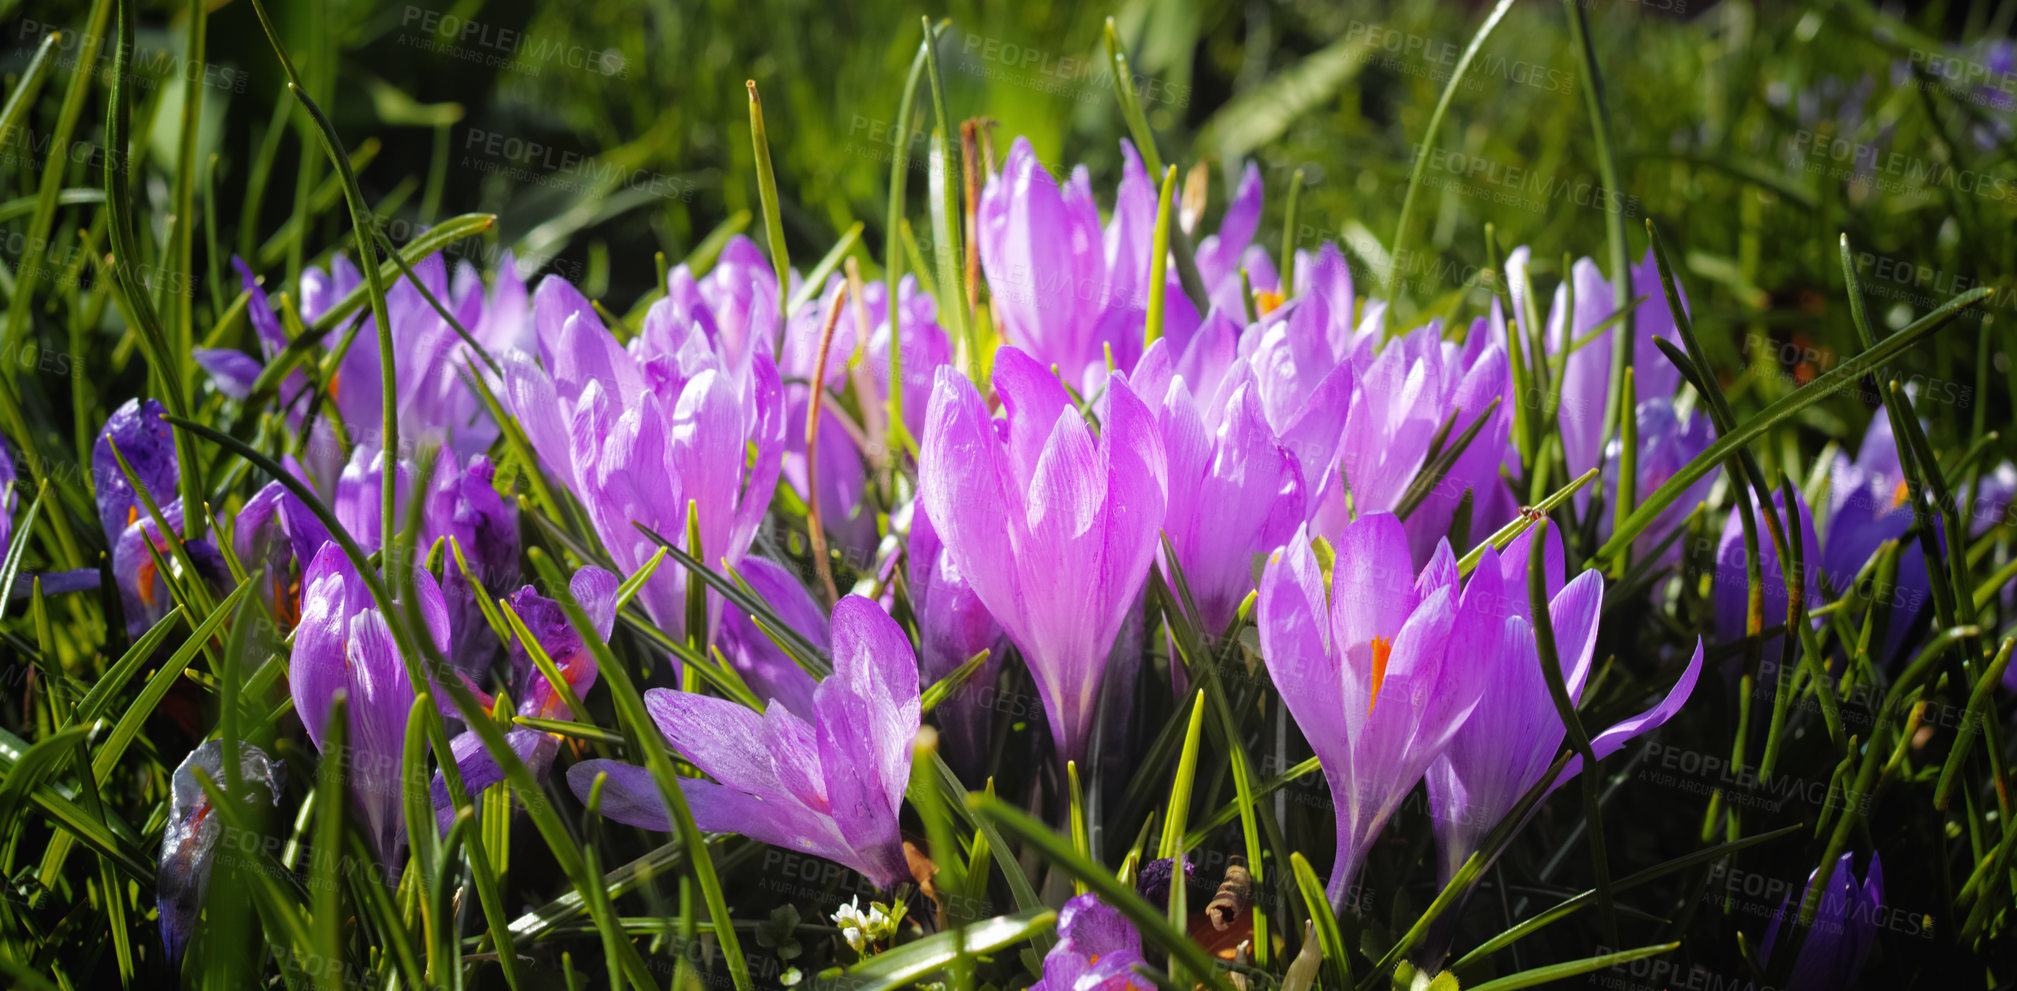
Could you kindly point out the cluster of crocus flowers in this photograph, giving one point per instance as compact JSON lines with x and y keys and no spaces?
{"x":1098,"y":949}
{"x":1052,"y":527}
{"x":1844,"y":931}
{"x":830,"y":785}
{"x":650,"y":434}
{"x":189,"y":841}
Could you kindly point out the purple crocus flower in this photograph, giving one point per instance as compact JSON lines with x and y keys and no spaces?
{"x":190,"y":839}
{"x":1401,"y":399}
{"x":1234,"y":490}
{"x":7,"y":479}
{"x":1063,"y":289}
{"x":138,"y":433}
{"x":344,"y":644}
{"x":1505,"y":747}
{"x":1222,"y":255}
{"x":1844,"y":930}
{"x":433,"y":400}
{"x":595,"y":591}
{"x":1097,"y":950}
{"x":1374,"y":669}
{"x":764,"y":666}
{"x":1053,"y":529}
{"x":1732,"y":594}
{"x":638,"y":434}
{"x":830,"y":786}
{"x":952,"y":626}
{"x":1586,"y":381}
{"x":1667,"y":441}
{"x":1869,"y":502}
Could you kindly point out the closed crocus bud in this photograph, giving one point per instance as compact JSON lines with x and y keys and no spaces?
{"x":189,"y":842}
{"x":1053,"y":529}
{"x":137,"y":433}
{"x":1844,"y":930}
{"x":831,"y":785}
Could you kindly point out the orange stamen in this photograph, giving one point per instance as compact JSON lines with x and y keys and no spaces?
{"x":143,"y":579}
{"x":1900,"y":494}
{"x":132,"y":515}
{"x":1381,"y":649}
{"x":335,"y":378}
{"x":1266,"y":302}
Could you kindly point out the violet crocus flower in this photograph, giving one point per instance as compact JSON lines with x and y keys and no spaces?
{"x":343,"y":644}
{"x":1097,"y":950}
{"x":1844,"y":930}
{"x":433,"y":400}
{"x":1064,"y":289}
{"x":1732,"y":593}
{"x":952,"y":626}
{"x":1506,"y":745}
{"x":640,"y":433}
{"x":1667,"y":441}
{"x":1234,"y":489}
{"x":1402,"y":397}
{"x":769,"y":671}
{"x":1586,"y":378}
{"x":189,"y":842}
{"x":137,"y":433}
{"x":594,"y":590}
{"x":1375,"y":669}
{"x":1869,"y":502}
{"x":1053,"y":529}
{"x":830,"y":786}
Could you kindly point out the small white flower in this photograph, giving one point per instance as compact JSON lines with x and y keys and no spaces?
{"x":854,"y":928}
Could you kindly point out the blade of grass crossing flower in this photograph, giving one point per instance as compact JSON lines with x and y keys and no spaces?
{"x":325,"y":860}
{"x":1149,"y":920}
{"x":1428,"y":141}
{"x":952,"y":683}
{"x":1324,"y":919}
{"x":1628,"y":464}
{"x":738,"y":597}
{"x":815,"y":280}
{"x":945,"y":848}
{"x":630,"y":708}
{"x":904,"y":966}
{"x":1579,"y":739}
{"x":422,"y":835}
{"x":1159,"y":252}
{"x":1505,"y":535}
{"x":766,"y":191}
{"x":10,"y":568}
